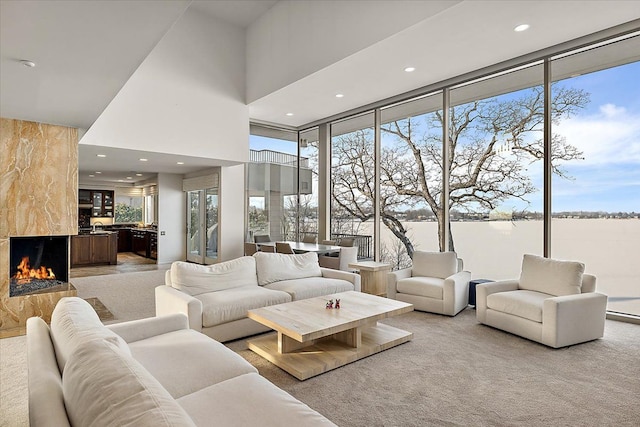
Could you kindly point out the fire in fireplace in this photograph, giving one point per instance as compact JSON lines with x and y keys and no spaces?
{"x":38,"y":264}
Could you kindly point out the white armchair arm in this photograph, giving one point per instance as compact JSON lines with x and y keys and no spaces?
{"x":456,"y":290}
{"x":573,"y":318}
{"x":170,"y":301}
{"x":344,"y":275}
{"x":483,"y":290}
{"x":136,"y":330}
{"x":392,"y":280}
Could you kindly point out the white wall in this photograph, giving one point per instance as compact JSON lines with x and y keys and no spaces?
{"x":187,"y":97}
{"x":171,"y":219}
{"x":294,"y":39}
{"x":232,"y":199}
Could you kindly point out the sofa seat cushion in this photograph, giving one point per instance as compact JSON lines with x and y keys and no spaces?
{"x":311,"y":287}
{"x":273,"y":267}
{"x":104,"y":386}
{"x":521,"y":303}
{"x":195,"y":279}
{"x":430,"y":287}
{"x":226,"y":404}
{"x":233,"y":304}
{"x":551,"y":276}
{"x":73,"y":322}
{"x":186,"y":361}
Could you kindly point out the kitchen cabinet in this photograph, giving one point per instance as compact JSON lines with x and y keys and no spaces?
{"x":88,"y":249}
{"x":124,"y":240}
{"x":140,"y":242}
{"x":153,"y":244}
{"x":96,"y":203}
{"x":102,"y":203}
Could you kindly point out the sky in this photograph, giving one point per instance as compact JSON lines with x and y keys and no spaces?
{"x":607,"y":131}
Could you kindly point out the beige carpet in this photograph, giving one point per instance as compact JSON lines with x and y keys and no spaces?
{"x":455,"y":372}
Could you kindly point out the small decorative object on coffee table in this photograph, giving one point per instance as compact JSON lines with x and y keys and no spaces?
{"x":337,"y":302}
{"x":329,"y":304}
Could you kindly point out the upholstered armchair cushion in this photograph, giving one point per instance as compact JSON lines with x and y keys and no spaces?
{"x":550,"y":276}
{"x":434,"y":264}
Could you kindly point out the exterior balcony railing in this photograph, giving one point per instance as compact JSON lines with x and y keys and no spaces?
{"x":278,"y":158}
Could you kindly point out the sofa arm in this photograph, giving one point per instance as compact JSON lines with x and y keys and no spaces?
{"x":170,"y":301}
{"x":392,"y":280}
{"x":483,"y":290}
{"x":572,"y":319}
{"x":344,"y":275}
{"x":456,"y":292}
{"x":137,"y":330}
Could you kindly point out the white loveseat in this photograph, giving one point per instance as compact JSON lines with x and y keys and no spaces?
{"x":216,"y":297}
{"x":553,"y":303}
{"x":150,"y":372}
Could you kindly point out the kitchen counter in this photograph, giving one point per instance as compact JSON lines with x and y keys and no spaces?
{"x":90,"y":248}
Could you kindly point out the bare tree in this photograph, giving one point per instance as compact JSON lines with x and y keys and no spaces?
{"x":491,"y":143}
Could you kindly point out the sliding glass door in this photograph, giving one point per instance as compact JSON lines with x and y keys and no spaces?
{"x":202,"y":226}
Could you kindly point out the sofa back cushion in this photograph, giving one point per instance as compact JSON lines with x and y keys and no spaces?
{"x":434,"y":264}
{"x":103,"y":386}
{"x":273,"y":267}
{"x":195,"y":279}
{"x":74,"y":321}
{"x":551,"y":276}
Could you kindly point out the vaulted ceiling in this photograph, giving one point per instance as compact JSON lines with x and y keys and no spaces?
{"x":85,"y":51}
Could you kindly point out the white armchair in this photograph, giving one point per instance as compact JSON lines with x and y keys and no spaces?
{"x":435,"y":283}
{"x":553,"y":303}
{"x":346,"y":256}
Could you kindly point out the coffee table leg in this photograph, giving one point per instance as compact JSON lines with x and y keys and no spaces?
{"x":288,"y":345}
{"x":351,"y":337}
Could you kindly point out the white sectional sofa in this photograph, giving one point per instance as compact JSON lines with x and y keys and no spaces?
{"x":216,"y":297}
{"x":150,"y":372}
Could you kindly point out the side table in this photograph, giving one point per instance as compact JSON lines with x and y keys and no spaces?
{"x":373,"y":276}
{"x":472,"y":290}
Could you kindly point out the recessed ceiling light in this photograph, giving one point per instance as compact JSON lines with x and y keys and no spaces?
{"x":129,"y":177}
{"x":144,"y":160}
{"x":339,"y":95}
{"x":27,"y":63}
{"x":179,"y":163}
{"x":138,"y":174}
{"x":410,"y":69}
{"x":92,"y":176}
{"x":289,"y":114}
{"x":521,"y":27}
{"x":121,"y":180}
{"x":101,"y":155}
{"x":98,"y":172}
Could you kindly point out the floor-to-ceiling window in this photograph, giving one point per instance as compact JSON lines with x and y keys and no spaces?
{"x":596,"y":210}
{"x":496,"y":171}
{"x":353,"y":180}
{"x":410,"y":178}
{"x":272,"y":183}
{"x":308,"y":205}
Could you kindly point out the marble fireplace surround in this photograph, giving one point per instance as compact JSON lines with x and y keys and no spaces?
{"x":38,"y":197}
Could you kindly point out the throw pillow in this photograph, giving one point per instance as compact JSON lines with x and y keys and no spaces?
{"x":102,"y":386}
{"x":551,"y":276}
{"x":74,"y":321}
{"x":434,"y":264}
{"x":195,"y":279}
{"x":274,"y":267}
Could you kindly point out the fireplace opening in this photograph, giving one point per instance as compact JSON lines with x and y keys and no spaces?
{"x":38,"y":264}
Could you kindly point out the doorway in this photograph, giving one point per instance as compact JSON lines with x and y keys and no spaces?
{"x":202,"y":226}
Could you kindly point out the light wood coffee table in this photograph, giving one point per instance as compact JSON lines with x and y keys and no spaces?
{"x":312,"y":340}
